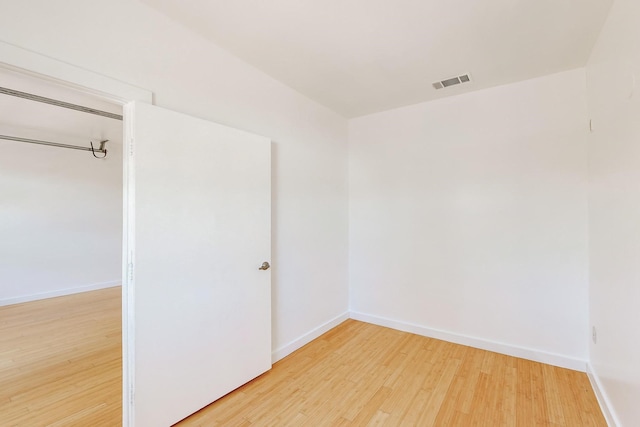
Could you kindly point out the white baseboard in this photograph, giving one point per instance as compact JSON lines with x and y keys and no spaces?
{"x":289,"y":348}
{"x":603,"y":400}
{"x":58,"y":293}
{"x":498,"y":347}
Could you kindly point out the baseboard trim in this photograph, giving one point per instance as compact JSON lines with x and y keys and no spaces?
{"x":58,"y":293}
{"x":603,"y":400}
{"x":498,"y":347}
{"x":292,"y":346}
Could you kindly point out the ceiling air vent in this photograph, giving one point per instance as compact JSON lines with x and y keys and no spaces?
{"x":452,"y":81}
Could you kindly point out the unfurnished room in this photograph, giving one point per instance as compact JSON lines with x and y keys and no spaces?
{"x":306,"y":213}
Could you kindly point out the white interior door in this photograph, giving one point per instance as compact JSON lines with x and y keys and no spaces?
{"x":198,"y":213}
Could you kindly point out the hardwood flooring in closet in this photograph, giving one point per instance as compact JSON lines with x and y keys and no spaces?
{"x":61,"y":362}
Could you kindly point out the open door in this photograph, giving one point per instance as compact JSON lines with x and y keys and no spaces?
{"x":197,"y":232}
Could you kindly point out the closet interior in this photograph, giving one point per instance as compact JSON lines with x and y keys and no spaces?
{"x":60,"y":253}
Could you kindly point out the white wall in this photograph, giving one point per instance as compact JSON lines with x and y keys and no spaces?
{"x":468,"y":217}
{"x":60,"y":210}
{"x":129,"y":41}
{"x":60,"y":221}
{"x":614,"y":210}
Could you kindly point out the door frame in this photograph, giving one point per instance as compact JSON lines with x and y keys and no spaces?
{"x":15,"y":58}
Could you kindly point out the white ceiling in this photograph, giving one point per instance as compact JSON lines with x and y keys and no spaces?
{"x":362,"y":56}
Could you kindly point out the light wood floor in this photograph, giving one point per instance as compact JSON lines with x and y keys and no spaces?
{"x":61,"y":361}
{"x":60,"y":365}
{"x":361,"y":374}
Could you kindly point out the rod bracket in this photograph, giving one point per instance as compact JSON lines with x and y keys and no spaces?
{"x":102,"y":149}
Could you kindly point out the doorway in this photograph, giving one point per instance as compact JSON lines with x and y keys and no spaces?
{"x":61,"y":252}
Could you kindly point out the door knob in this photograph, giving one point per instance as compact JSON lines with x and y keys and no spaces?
{"x":265,"y":266}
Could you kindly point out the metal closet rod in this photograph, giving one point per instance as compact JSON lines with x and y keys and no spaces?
{"x":101,"y":149}
{"x":58,"y":103}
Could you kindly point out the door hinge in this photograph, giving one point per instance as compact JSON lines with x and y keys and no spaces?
{"x":130,"y":272}
{"x":131,"y":147}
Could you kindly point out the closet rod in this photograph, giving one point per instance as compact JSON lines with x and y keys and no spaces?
{"x":58,"y":103}
{"x":101,"y":150}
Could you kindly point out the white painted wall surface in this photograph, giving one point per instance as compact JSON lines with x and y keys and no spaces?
{"x":468,"y":216}
{"x":60,"y":209}
{"x":60,"y":221}
{"x":614,"y":210}
{"x":129,"y":41}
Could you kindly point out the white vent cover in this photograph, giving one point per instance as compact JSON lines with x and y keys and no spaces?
{"x":452,"y":81}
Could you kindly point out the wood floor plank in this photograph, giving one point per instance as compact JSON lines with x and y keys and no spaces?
{"x":437,"y":395}
{"x":368,"y":411}
{"x":552,"y":395}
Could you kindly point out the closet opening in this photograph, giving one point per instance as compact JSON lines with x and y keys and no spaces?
{"x":61,"y":228}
